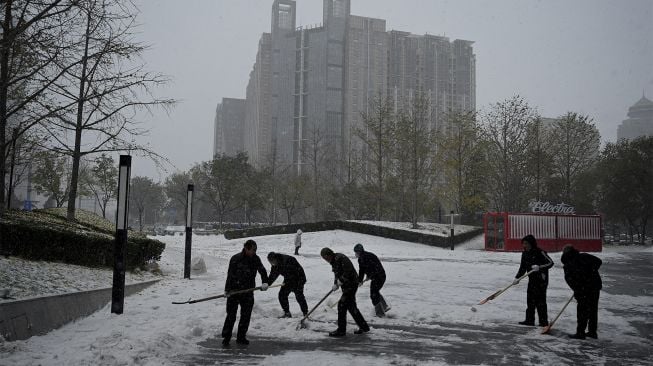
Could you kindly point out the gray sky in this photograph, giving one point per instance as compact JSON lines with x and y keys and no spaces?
{"x":591,"y":56}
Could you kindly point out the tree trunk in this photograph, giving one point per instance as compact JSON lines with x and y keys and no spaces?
{"x":4,"y":85}
{"x":74,"y":175}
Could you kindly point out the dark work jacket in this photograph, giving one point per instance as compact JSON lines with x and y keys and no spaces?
{"x":344,"y":272}
{"x":290,"y":269}
{"x":241,"y":274}
{"x":370,"y":265}
{"x":539,"y":257}
{"x":582,"y":273}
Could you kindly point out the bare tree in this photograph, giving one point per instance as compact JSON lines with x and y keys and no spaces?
{"x":416,"y":142}
{"x":377,"y":136}
{"x":460,"y":150}
{"x":574,"y":147}
{"x":107,"y":87}
{"x":505,"y":129}
{"x":29,"y":46}
{"x":314,"y":151}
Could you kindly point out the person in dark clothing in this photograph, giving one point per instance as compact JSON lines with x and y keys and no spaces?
{"x":582,"y":275}
{"x":370,"y":265}
{"x":536,"y":260}
{"x":345,"y":276}
{"x":241,"y":275}
{"x":293,"y":281}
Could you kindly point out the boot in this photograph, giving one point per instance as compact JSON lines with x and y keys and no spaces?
{"x":378,"y":308}
{"x":386,"y":307}
{"x":577,"y":336}
{"x":526,"y":322}
{"x":225,"y":341}
{"x":286,"y":315}
{"x":242,"y":341}
{"x":361,"y":330}
{"x":592,"y":335}
{"x":337,"y":333}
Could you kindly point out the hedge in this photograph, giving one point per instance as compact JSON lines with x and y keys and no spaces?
{"x":357,"y":227}
{"x":46,"y":235}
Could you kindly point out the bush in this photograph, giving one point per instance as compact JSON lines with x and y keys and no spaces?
{"x":88,"y":241}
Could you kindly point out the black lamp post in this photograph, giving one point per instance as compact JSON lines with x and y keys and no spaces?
{"x":122,"y":213}
{"x":451,"y":227}
{"x":189,"y":229}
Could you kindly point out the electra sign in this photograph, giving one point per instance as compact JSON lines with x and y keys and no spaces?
{"x":547,"y":207}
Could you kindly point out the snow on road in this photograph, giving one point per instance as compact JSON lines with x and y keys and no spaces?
{"x":426,"y":286}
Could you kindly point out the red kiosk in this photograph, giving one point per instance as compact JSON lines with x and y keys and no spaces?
{"x":504,"y":231}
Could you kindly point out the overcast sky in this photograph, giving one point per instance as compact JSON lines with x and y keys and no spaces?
{"x":592,"y":56}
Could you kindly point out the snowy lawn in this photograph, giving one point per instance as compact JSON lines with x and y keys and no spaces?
{"x":426,"y":287}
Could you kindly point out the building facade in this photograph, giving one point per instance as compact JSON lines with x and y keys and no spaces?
{"x":229,"y":131}
{"x":310,"y":85}
{"x":639,"y":122}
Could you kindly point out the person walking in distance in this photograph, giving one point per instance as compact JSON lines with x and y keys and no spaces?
{"x":345,"y":277}
{"x":298,"y":241}
{"x":241,"y":275}
{"x":293,"y":281}
{"x":582,"y":276}
{"x":370,"y":265}
{"x":536,"y":260}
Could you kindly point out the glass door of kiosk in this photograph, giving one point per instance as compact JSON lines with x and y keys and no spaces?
{"x":494,"y":231}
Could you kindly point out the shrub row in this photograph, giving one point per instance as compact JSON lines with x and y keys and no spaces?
{"x":357,"y":227}
{"x":43,"y":235}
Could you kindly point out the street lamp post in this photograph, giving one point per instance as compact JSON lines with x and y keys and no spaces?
{"x":189,"y":229}
{"x":451,"y":227}
{"x":122,"y":213}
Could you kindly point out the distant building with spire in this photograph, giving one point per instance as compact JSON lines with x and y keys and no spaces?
{"x":639,"y":122}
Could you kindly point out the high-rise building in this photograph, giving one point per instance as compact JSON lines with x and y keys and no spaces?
{"x":258,"y":122}
{"x":639,"y":122}
{"x":310,"y":84}
{"x":229,"y":127}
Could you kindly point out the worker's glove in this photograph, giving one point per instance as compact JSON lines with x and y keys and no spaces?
{"x":264,"y":286}
{"x":535,"y":268}
{"x":516,"y":281}
{"x":335,"y":287}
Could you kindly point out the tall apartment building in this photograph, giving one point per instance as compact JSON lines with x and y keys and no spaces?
{"x":310,"y":84}
{"x":639,"y":122}
{"x":228,"y":132}
{"x":258,"y":122}
{"x":444,"y":71}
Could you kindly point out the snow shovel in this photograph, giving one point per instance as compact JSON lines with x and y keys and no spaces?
{"x":301,"y":322}
{"x":499,"y":292}
{"x":548,"y":327}
{"x":332,"y":305}
{"x":190,"y":301}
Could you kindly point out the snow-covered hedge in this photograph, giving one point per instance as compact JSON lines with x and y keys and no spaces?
{"x":358,"y":227}
{"x":47,"y":235}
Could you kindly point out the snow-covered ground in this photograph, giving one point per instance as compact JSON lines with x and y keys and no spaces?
{"x":27,"y":279}
{"x":426,"y":286}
